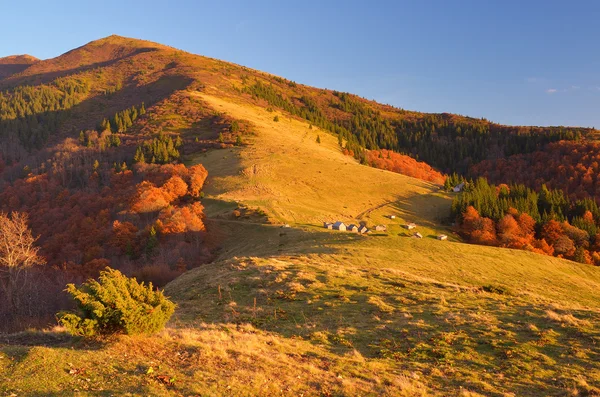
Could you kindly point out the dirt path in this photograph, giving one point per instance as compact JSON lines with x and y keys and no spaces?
{"x":368,"y":211}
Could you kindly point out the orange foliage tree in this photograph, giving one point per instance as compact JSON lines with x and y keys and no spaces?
{"x":403,"y":164}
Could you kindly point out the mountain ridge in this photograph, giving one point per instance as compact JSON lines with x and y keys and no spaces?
{"x":115,"y":46}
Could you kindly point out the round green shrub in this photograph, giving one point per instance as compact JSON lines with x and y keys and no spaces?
{"x":116,"y":304}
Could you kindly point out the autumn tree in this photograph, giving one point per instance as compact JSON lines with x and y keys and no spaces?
{"x":509,"y":232}
{"x":478,"y":229}
{"x":17,"y":253}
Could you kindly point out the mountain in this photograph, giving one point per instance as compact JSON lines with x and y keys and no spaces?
{"x":18,"y":60}
{"x":14,"y":64}
{"x":213,"y":181}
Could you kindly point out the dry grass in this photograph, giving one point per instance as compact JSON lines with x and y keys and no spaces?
{"x":230,"y":359}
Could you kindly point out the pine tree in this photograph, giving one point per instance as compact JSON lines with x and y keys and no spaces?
{"x":116,"y":304}
{"x":152,"y":241}
{"x":139,"y":155}
{"x":318,"y":139}
{"x":105,"y":126}
{"x":115,"y":140}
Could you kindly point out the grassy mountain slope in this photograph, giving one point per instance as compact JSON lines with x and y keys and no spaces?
{"x":304,"y":310}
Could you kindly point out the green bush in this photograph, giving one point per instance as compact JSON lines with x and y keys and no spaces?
{"x":116,"y":304}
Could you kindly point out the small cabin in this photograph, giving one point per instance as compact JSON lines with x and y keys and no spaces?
{"x":285,"y":226}
{"x":363,"y":229}
{"x":392,"y":216}
{"x":410,"y":226}
{"x":328,"y":225}
{"x":417,"y":235}
{"x":442,"y":237}
{"x":339,"y":226}
{"x":380,"y":228}
{"x":459,"y":187}
{"x":352,"y":228}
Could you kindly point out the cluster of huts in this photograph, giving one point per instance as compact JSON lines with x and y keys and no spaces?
{"x":362,"y":229}
{"x":341,"y":226}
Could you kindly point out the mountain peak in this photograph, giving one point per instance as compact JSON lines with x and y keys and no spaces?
{"x":116,"y":40}
{"x":98,"y":52}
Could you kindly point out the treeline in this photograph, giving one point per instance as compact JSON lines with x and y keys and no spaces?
{"x":161,"y":150}
{"x":454,"y":144}
{"x":573,"y":167}
{"x":447,"y":142}
{"x":29,"y":115}
{"x":516,"y":216}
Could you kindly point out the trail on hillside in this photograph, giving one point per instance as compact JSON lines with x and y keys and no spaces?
{"x":368,"y":211}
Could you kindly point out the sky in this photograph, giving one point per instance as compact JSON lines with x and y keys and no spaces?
{"x":522,"y":62}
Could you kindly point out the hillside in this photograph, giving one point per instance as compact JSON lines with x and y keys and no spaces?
{"x":14,"y":64}
{"x":269,"y":309}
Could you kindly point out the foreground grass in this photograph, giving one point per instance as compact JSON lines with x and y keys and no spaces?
{"x":224,"y":359}
{"x":484,"y":339}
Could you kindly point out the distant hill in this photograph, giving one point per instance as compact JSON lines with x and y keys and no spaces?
{"x":18,"y":60}
{"x":15,"y":64}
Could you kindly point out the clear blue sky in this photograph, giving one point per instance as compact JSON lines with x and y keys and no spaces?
{"x":516,"y":62}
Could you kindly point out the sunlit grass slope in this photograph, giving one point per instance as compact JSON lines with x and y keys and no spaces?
{"x":297,"y":180}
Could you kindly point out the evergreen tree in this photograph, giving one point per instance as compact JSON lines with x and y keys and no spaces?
{"x":139,"y":155}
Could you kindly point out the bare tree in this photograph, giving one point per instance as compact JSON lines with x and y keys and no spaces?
{"x":17,"y":253}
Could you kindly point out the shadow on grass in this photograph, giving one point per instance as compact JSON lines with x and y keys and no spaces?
{"x":33,"y":338}
{"x":430,"y":210}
